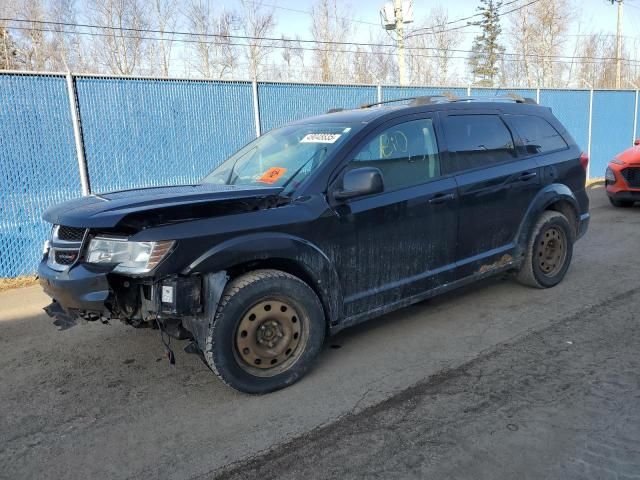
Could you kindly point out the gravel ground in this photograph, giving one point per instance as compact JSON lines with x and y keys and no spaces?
{"x":560,"y":403}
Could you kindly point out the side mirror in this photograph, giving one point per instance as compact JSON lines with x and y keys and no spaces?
{"x":637,"y":142}
{"x":359,"y":182}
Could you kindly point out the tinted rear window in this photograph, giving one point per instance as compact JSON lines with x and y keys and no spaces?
{"x":537,"y":134}
{"x":478,"y":141}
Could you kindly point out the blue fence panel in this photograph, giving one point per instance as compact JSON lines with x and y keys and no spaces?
{"x":38,"y":165}
{"x":496,"y":92}
{"x":571,"y":107}
{"x":612,"y":127}
{"x":141,"y":133}
{"x":637,"y":132}
{"x":389,"y":93}
{"x":281,"y":103}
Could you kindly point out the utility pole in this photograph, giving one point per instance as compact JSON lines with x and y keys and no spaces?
{"x":397,"y":7}
{"x":618,"y":45}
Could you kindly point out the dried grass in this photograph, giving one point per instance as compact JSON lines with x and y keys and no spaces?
{"x":18,"y":282}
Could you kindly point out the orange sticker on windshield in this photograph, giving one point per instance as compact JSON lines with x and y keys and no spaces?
{"x":272,"y":175}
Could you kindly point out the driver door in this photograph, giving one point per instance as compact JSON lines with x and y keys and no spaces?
{"x":403,"y":239}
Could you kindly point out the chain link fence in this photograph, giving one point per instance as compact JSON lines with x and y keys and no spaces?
{"x":140,"y":132}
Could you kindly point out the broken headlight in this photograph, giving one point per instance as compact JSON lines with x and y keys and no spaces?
{"x":129,"y":257}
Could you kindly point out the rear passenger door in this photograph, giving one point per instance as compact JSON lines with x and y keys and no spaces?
{"x":496,"y":185}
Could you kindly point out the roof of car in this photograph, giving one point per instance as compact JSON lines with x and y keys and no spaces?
{"x":369,"y":112}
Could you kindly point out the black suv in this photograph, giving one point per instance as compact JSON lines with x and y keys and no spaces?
{"x":322,"y":224}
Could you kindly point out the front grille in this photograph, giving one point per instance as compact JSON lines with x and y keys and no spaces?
{"x":70,"y":234}
{"x":66,"y":243}
{"x":66,"y":257}
{"x":632,"y":176}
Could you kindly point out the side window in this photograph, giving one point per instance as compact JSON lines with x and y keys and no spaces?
{"x":537,"y":134}
{"x":478,"y":141}
{"x":406,"y":154}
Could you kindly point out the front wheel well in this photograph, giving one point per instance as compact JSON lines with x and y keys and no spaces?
{"x":288,"y":266}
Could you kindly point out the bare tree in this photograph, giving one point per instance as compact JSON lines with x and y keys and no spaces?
{"x":32,"y":46}
{"x":538,"y":33}
{"x":292,"y":53}
{"x":66,"y":44}
{"x":286,"y":52}
{"x":381,"y":61}
{"x":330,"y":25}
{"x":121,"y":48}
{"x":444,"y":40}
{"x":8,"y":52}
{"x":8,"y":49}
{"x":596,"y":62}
{"x":164,"y":20}
{"x":430,"y":56}
{"x":216,"y":54}
{"x":362,"y":68}
{"x":257,"y":23}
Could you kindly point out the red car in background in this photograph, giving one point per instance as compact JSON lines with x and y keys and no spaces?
{"x":622,"y":178}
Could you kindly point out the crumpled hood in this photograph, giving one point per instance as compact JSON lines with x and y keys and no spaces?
{"x":172,"y":203}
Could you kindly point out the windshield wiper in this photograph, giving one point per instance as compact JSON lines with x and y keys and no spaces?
{"x":323,"y":149}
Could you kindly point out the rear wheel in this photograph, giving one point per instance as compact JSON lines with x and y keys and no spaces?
{"x":549,"y":251}
{"x":621,"y":203}
{"x":267,"y":331}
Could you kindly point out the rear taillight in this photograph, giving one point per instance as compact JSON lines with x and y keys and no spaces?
{"x":584,"y":160}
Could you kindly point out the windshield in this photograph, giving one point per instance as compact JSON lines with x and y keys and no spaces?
{"x":282,"y":157}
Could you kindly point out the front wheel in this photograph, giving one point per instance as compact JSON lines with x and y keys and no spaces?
{"x":548,"y":252}
{"x":268,"y":328}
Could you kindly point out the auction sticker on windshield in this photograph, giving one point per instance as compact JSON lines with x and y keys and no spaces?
{"x":272,"y":175}
{"x":320,"y":138}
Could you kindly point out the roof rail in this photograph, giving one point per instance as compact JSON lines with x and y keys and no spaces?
{"x":382,"y":102}
{"x":431,"y":99}
{"x":445,"y":97}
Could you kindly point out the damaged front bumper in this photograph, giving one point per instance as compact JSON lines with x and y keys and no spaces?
{"x":181,"y":306}
{"x":77,"y":291}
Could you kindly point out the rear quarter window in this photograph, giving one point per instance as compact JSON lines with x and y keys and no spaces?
{"x":476,"y":141}
{"x":538,"y":135}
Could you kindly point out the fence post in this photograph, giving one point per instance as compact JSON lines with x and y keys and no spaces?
{"x":635,"y":120}
{"x":469,"y":90}
{"x":379,"y":93}
{"x":589,"y":135}
{"x":537,"y":95}
{"x":256,"y":107}
{"x":77,"y":134}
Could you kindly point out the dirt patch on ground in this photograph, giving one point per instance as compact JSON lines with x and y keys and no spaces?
{"x":566,"y":394}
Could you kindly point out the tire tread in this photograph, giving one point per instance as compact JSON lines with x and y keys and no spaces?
{"x":526,"y":275}
{"x":231,"y":290}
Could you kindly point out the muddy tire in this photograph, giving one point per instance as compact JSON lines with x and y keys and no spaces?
{"x":267,"y":330}
{"x":549,"y":251}
{"x":621,"y":203}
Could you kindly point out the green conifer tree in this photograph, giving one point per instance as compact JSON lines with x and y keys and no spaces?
{"x":485,"y":60}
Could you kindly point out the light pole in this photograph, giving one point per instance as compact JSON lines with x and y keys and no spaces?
{"x":397,"y":8}
{"x":618,"y":44}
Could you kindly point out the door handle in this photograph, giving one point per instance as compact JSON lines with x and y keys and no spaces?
{"x":523,"y":177}
{"x":441,"y":198}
